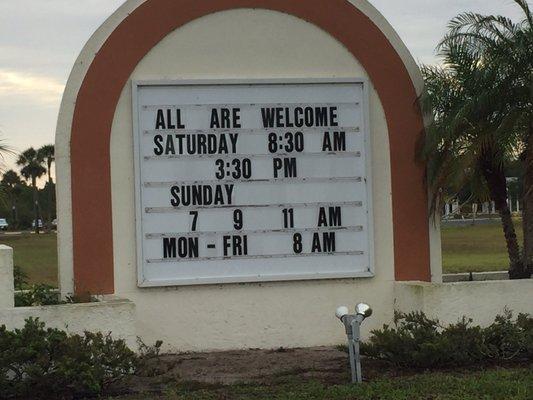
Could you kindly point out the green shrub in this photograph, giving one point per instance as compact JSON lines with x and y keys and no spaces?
{"x":39,"y":362}
{"x":417,"y":341}
{"x":506,"y":339}
{"x":46,"y":295}
{"x":33,"y":295}
{"x":37,"y":295}
{"x":20,"y":278}
{"x":148,"y":362}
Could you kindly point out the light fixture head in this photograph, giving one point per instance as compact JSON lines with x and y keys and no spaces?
{"x":363,"y":310}
{"x":341,"y":312}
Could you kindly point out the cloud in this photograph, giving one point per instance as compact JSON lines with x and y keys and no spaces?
{"x":30,"y":87}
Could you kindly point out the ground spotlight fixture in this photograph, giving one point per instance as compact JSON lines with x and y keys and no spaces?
{"x":363,"y":309}
{"x":352,"y":324}
{"x":341,"y":312}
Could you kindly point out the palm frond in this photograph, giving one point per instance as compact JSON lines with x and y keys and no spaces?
{"x":5,"y":149}
{"x":496,"y":26}
{"x":527,"y":11}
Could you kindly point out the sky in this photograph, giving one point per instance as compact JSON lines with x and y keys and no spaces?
{"x":40,"y":40}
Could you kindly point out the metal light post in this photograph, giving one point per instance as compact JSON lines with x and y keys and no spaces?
{"x":352,"y":324}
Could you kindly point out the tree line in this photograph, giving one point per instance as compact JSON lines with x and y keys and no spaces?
{"x":24,"y":204}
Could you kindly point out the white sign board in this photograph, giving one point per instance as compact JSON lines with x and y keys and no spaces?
{"x":252,"y":181}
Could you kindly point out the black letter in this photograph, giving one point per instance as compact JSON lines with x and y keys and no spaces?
{"x":236,"y":118}
{"x":175,"y":193}
{"x":268,"y":117}
{"x":215,"y":123}
{"x":169,"y":115}
{"x":169,"y":248}
{"x":322,"y":221}
{"x":333,"y":116}
{"x":339,"y":141}
{"x":157,"y":141}
{"x":160,"y":121}
{"x":178,"y":118}
{"x":321,"y":118}
{"x":335,"y":216}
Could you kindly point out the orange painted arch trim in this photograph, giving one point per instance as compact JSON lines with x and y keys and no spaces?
{"x":143,"y":29}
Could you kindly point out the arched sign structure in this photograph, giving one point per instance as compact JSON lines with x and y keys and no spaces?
{"x":142,"y":29}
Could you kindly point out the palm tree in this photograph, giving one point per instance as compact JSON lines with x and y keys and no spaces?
{"x":507,"y":47}
{"x":47,"y":154}
{"x":32,"y":170}
{"x":482,"y":117}
{"x":11,"y":184}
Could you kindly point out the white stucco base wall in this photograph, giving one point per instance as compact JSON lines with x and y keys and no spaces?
{"x":269,"y":315}
{"x":115,"y":316}
{"x":6,"y":277}
{"x":225,"y":327}
{"x":481,"y":301}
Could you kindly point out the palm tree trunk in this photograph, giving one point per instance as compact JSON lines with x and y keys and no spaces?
{"x":49,"y":208}
{"x":35,"y":201}
{"x":527,"y":213}
{"x":497,"y":184}
{"x":49,"y":165}
{"x":49,"y":194}
{"x":13,"y":212}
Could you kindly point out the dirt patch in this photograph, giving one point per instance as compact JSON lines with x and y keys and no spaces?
{"x":327,"y":365}
{"x":259,"y":366}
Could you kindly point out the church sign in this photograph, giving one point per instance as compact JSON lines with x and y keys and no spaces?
{"x":252,"y":181}
{"x":222,"y":159}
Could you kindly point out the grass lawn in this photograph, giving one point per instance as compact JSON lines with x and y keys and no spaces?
{"x":36,"y":255}
{"x":508,"y":384}
{"x":475,"y":248}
